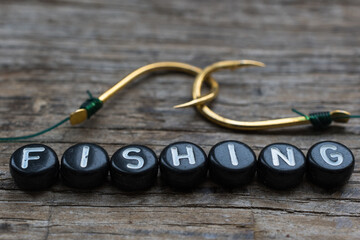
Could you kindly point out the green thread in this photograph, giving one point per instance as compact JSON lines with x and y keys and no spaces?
{"x":300,"y":113}
{"x":91,"y":105}
{"x":10,"y":139}
{"x":321,"y":120}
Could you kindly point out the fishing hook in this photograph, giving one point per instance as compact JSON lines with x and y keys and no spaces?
{"x":318,"y":119}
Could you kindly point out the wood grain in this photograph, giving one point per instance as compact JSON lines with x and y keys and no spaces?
{"x":51,"y":52}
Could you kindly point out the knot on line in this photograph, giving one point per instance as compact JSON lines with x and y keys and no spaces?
{"x":91,"y":105}
{"x":319,"y":120}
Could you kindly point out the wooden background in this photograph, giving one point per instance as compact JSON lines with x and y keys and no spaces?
{"x":51,"y":52}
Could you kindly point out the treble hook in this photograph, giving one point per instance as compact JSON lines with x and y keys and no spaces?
{"x":92,"y":105}
{"x":319,"y":119}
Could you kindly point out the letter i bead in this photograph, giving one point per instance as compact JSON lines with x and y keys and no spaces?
{"x":330,"y":164}
{"x":281,"y":166}
{"x":232,"y":163}
{"x":183,"y":165}
{"x":34,"y":167}
{"x":84,"y":165}
{"x":134,"y":167}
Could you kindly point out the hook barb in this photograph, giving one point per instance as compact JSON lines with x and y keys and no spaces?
{"x":230,"y":64}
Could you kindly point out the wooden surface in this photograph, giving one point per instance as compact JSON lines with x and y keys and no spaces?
{"x":51,"y":52}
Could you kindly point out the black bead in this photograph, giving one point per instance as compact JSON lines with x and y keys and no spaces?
{"x":281,"y":166}
{"x":330,"y":164}
{"x":84,"y":165}
{"x":232,"y":163}
{"x":187,"y":169}
{"x":134,"y":167}
{"x":34,"y":167}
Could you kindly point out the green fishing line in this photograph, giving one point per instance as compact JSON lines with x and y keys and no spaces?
{"x":10,"y":139}
{"x":91,"y":105}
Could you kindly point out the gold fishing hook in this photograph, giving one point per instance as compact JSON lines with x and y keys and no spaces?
{"x":92,"y":105}
{"x":83,"y":113}
{"x":337,"y":115}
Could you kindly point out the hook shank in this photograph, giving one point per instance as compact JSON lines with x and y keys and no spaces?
{"x":81,"y":114}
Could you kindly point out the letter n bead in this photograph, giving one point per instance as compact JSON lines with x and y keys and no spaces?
{"x":34,"y":167}
{"x":281,"y":166}
{"x":330,"y":164}
{"x":183,"y":165}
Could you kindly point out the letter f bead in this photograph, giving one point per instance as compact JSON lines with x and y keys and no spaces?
{"x":34,"y":167}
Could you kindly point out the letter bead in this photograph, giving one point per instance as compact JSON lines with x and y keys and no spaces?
{"x":84,"y":165}
{"x":134,"y":167}
{"x":183,"y":165}
{"x":330,"y":164}
{"x":281,"y":166}
{"x":34,"y":167}
{"x":232,"y":163}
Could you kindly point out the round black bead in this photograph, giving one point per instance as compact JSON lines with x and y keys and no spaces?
{"x":34,"y":167}
{"x":134,"y":167}
{"x":330,"y":164}
{"x":183,"y":165}
{"x":232,"y":163}
{"x":84,"y":165}
{"x":281,"y":166}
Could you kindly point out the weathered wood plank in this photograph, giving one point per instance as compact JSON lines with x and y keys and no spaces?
{"x":51,"y":52}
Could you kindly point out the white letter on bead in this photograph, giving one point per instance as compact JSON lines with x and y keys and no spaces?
{"x":234,"y":160}
{"x":26,"y":158}
{"x":176,"y":157}
{"x":275,"y":154}
{"x":84,"y":156}
{"x":140,"y":160}
{"x":339,"y":157}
